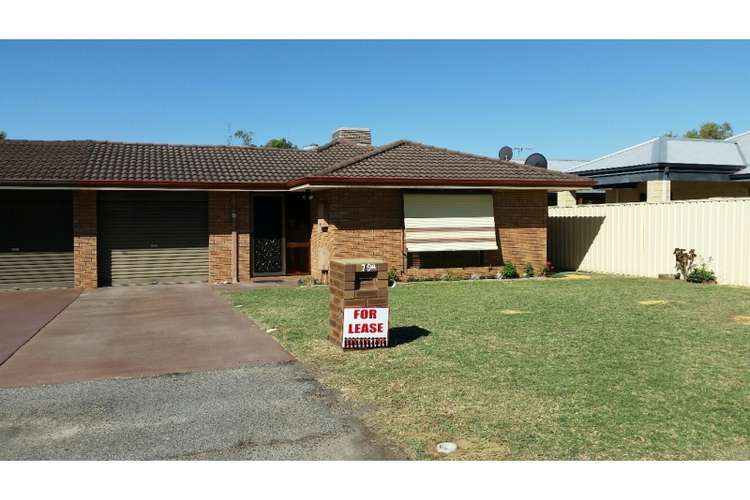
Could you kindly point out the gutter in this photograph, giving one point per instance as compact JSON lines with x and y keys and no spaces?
{"x":442,"y":182}
{"x":298,"y":184}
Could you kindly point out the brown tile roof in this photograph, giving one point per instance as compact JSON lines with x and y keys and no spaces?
{"x":411,"y":160}
{"x":42,"y":160}
{"x":92,"y":163}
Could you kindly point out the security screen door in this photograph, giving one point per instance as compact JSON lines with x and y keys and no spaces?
{"x":268,"y":234}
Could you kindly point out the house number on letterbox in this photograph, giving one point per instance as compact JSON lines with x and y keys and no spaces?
{"x":366,"y":268}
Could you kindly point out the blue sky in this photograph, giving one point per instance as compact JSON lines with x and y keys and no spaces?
{"x":567,"y":99}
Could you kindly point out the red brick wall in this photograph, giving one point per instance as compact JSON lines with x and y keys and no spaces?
{"x":361,"y":223}
{"x":219,"y":237}
{"x":521,"y":221}
{"x":369,"y":223}
{"x":84,"y":239}
{"x":242,"y":206}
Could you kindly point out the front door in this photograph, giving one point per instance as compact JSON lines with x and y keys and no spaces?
{"x":297,"y":235}
{"x":268,"y":234}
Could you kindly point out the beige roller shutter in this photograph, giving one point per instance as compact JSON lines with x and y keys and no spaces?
{"x":152,"y":237}
{"x":445,"y":222}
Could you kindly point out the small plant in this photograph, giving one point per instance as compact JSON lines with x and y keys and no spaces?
{"x":528,"y":271}
{"x":684,"y":261}
{"x":451,"y":276}
{"x":548,"y":269}
{"x":509,"y":271}
{"x":307,"y":281}
{"x":702,"y":274}
{"x":393,"y":277}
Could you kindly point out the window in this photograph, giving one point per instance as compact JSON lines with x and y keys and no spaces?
{"x":437,"y":222}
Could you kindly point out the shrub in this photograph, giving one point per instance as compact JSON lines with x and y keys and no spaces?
{"x":528,"y":271}
{"x":701,"y":274}
{"x":392,"y":275}
{"x":684,"y":261}
{"x":509,"y":271}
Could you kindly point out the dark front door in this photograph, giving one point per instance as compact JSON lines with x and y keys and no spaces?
{"x":268,"y":234}
{"x":297,"y":234}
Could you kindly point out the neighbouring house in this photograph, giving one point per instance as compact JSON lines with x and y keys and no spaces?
{"x":667,"y":168}
{"x":577,"y":197}
{"x":94,"y":213}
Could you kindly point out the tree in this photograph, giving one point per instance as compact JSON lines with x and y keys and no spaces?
{"x":3,"y":135}
{"x":280,"y":143}
{"x":711,"y":130}
{"x":245,"y":137}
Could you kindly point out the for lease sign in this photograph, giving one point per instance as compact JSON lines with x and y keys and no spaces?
{"x":365,"y":327}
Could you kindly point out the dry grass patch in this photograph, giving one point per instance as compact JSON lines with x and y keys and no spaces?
{"x":742,"y":320}
{"x":653,"y":302}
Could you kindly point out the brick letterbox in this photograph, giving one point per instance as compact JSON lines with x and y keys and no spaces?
{"x":359,"y":303}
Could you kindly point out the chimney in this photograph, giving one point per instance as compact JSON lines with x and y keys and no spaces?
{"x":356,"y":135}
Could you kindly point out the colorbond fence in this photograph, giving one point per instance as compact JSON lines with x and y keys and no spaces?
{"x":638,"y":238}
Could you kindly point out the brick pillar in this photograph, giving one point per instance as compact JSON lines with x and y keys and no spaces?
{"x":84,"y":239}
{"x":219,"y":236}
{"x":658,"y":191}
{"x":242,"y":205}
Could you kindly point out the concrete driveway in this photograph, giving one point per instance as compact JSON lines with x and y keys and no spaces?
{"x":163,"y":372}
{"x":139,"y":331}
{"x":24,"y":313}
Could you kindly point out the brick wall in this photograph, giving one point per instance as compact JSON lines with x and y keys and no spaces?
{"x":219,"y":237}
{"x":521,"y":221}
{"x":243,"y":228}
{"x":360,"y":223}
{"x":84,"y":239}
{"x":369,"y":223}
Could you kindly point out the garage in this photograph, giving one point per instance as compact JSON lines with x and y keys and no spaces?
{"x":152,"y":237}
{"x":36,"y":240}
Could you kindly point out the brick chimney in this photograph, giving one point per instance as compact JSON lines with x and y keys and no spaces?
{"x":355,"y":135}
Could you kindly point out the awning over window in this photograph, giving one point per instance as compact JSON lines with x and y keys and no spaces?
{"x":441,"y":222}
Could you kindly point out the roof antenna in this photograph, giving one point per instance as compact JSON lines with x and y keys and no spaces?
{"x":521,"y":149}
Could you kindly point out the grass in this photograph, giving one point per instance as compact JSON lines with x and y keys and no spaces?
{"x":600,"y":368}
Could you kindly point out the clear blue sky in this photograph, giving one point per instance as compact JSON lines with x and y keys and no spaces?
{"x":568,"y":99}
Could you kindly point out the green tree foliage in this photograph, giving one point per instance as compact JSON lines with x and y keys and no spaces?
{"x":3,"y":135}
{"x":280,"y":143}
{"x":711,"y":130}
{"x":245,"y":137}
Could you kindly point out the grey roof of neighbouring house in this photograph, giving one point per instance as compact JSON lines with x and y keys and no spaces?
{"x":700,"y":153}
{"x":743,"y":143}
{"x":564,"y":165}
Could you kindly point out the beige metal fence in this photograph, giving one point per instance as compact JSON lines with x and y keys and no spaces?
{"x":638,"y":238}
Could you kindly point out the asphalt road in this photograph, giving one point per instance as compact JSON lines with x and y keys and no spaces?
{"x":265,"y":412}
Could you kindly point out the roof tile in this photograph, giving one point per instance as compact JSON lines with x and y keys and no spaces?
{"x":89,"y":162}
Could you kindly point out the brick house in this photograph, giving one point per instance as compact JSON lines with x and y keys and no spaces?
{"x":92,"y":213}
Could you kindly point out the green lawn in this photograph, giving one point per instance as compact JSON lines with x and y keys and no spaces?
{"x":543,"y":369}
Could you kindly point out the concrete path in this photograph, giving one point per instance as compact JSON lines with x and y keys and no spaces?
{"x":140,"y":331}
{"x":262,"y":412}
{"x":24,"y":313}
